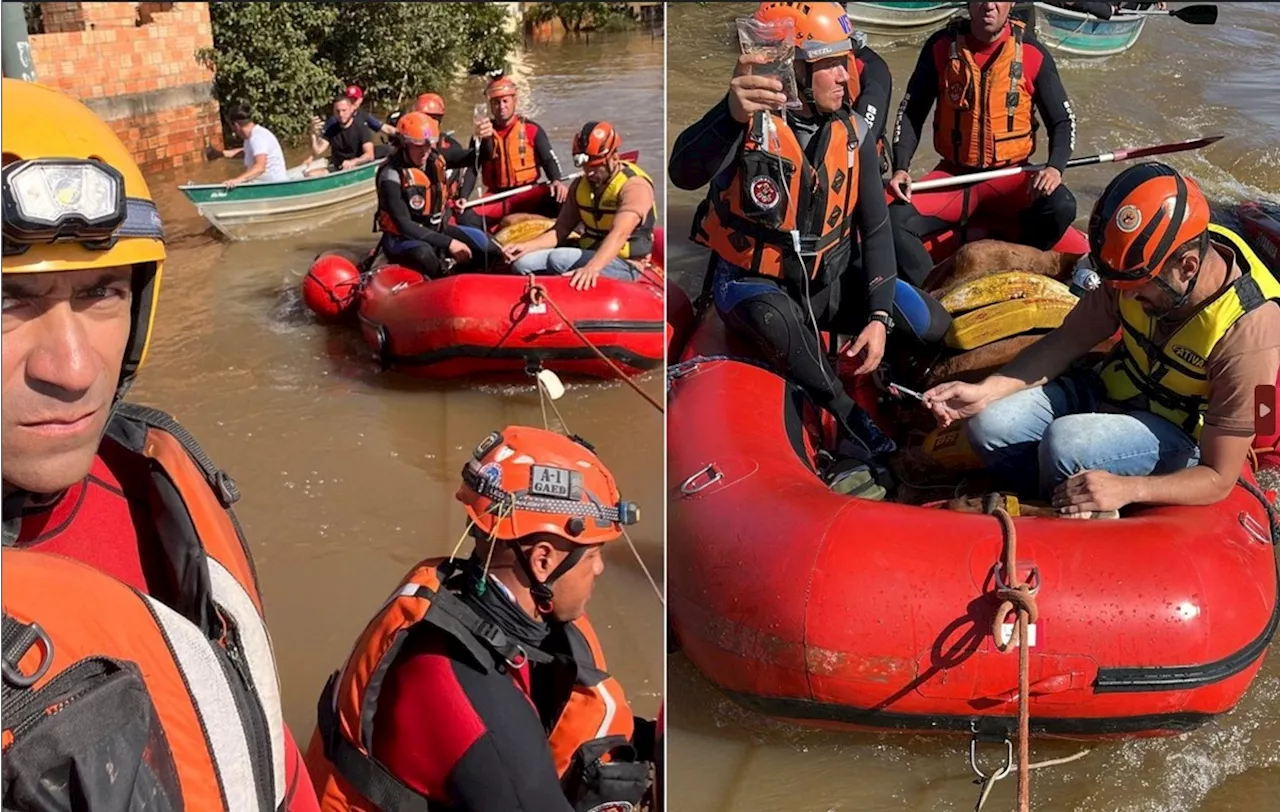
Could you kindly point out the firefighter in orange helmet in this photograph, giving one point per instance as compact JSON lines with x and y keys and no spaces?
{"x":457,"y":158}
{"x":612,"y":205}
{"x":784,"y":241}
{"x":138,"y":671}
{"x":1168,"y":418}
{"x":985,"y":77}
{"x":480,"y":683}
{"x":414,"y":194}
{"x":512,"y":149}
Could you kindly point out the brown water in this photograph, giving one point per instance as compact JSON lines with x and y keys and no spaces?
{"x":349,"y":473}
{"x":1178,"y":82}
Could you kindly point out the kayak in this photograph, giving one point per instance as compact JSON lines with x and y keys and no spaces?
{"x":261,"y":210}
{"x":484,"y":324}
{"x":836,"y":611}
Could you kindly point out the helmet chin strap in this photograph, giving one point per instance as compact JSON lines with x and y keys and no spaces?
{"x":543,"y":596}
{"x":1180,"y":299}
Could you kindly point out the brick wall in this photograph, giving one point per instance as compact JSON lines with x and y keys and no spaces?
{"x":134,"y":65}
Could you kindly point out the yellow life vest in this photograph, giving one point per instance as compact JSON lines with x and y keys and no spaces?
{"x":1173,"y":376}
{"x":597,"y":213}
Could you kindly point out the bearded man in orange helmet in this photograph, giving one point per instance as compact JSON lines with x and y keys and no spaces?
{"x":613,"y":204}
{"x":138,"y":671}
{"x":480,"y":684}
{"x":1168,"y":417}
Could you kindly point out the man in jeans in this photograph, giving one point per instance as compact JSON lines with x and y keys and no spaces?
{"x":1167,"y":419}
{"x":613,"y":203}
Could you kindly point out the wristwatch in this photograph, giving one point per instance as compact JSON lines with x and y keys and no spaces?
{"x":884,"y":318}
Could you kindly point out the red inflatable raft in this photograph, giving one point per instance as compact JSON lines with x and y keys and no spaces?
{"x":495,"y":324}
{"x":830,"y":610}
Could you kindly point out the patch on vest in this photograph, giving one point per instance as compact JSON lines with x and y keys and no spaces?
{"x":1187,"y":355}
{"x":417,"y":202}
{"x":834,"y":219}
{"x":953,"y":93}
{"x":1128,"y":219}
{"x":764,"y":192}
{"x":613,"y":806}
{"x":838,"y":180}
{"x":739,"y":241}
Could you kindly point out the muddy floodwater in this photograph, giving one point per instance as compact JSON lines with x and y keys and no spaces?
{"x":1180,"y":81}
{"x":349,"y":473}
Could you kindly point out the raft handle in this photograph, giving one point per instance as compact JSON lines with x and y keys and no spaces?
{"x":714,"y":475}
{"x":1254,"y":528}
{"x":973,"y":759}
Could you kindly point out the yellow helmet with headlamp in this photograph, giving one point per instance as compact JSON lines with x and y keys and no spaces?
{"x":74,"y":200}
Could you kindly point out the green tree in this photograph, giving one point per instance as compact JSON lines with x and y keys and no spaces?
{"x":395,"y":51}
{"x":265,"y":54}
{"x":579,"y":17}
{"x":288,"y":60}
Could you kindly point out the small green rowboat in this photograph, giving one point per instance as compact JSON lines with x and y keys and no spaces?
{"x":254,"y":211}
{"x":900,"y":20}
{"x":1078,"y":34}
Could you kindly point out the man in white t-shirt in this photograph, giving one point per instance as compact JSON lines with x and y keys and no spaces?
{"x":263,"y":158}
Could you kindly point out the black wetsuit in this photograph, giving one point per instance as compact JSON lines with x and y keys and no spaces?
{"x":779,"y":318}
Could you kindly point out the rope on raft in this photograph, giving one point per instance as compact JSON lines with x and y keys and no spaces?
{"x":538,"y":293}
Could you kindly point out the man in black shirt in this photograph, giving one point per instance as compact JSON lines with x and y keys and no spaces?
{"x":349,"y":142}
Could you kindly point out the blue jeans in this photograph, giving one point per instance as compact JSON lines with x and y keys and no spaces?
{"x":1048,"y":433}
{"x":566,"y":260}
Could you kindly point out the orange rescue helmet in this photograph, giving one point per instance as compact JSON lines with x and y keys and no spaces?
{"x":595,"y":143}
{"x":417,"y":128}
{"x":430,"y":103}
{"x":821,"y":29}
{"x":521,"y":481}
{"x":1141,"y":218}
{"x":500,"y":86}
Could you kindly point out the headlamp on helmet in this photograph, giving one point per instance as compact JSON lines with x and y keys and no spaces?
{"x":56,"y":199}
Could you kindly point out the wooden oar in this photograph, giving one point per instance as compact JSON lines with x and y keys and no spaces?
{"x":634,"y":155}
{"x":1196,"y":15}
{"x":1087,"y":160}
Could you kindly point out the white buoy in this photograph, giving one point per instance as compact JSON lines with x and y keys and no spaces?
{"x":549,"y":381}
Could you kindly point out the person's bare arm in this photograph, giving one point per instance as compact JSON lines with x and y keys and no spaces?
{"x":635,"y":199}
{"x":259,"y":166}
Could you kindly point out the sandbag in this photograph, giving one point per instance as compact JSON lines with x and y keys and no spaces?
{"x":985,"y":257}
{"x":518,"y":217}
{"x":994,"y":322}
{"x":1003,"y":287}
{"x":524,"y":230}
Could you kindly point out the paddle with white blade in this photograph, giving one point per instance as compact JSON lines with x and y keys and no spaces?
{"x":634,"y":155}
{"x":1128,"y":154}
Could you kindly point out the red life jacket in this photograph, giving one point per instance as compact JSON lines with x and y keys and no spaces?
{"x":178,"y":700}
{"x":345,"y":774}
